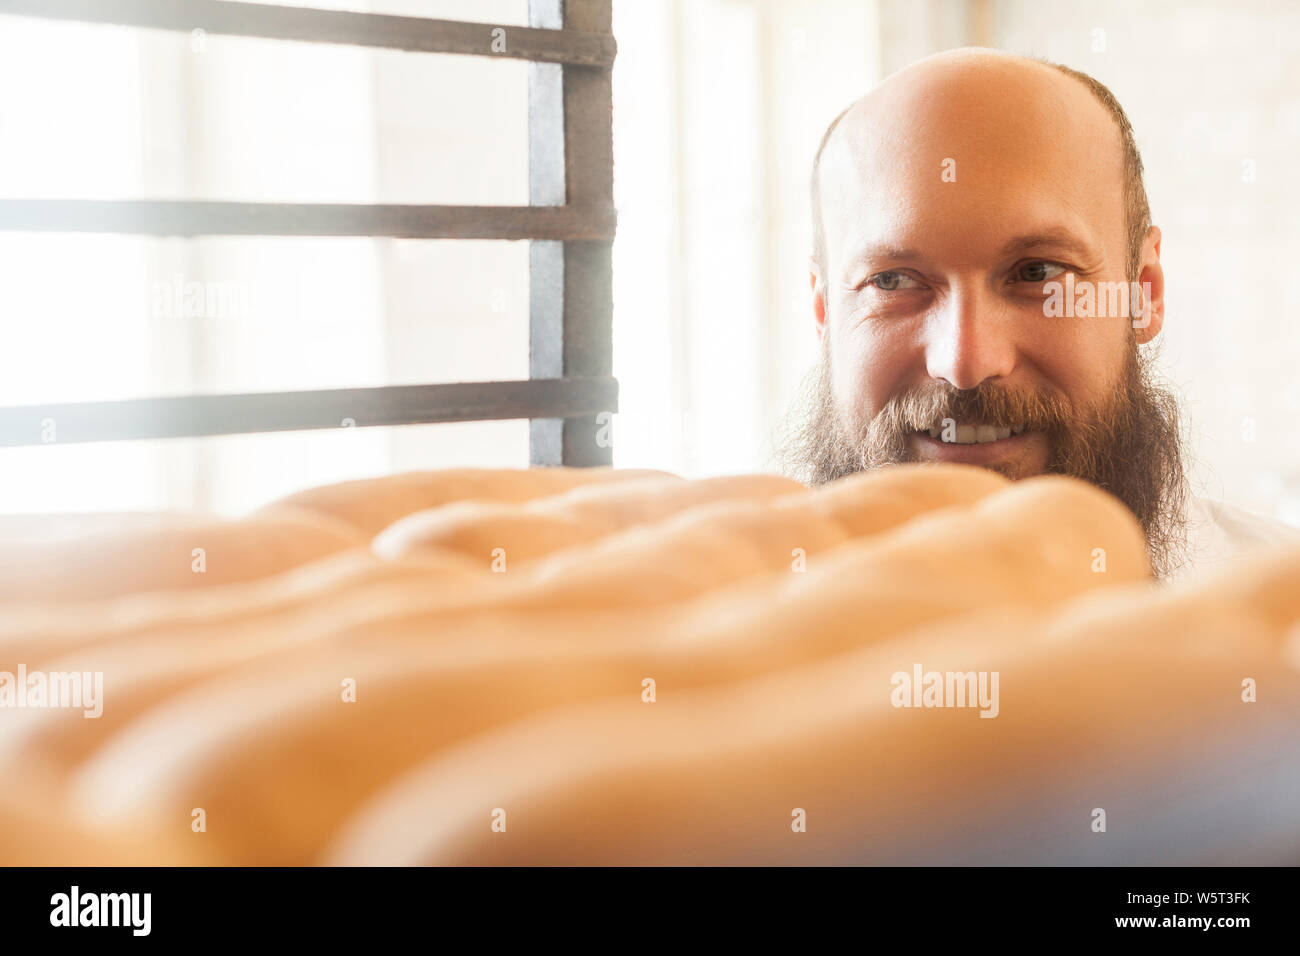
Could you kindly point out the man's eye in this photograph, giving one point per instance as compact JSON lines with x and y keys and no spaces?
{"x":1040,"y":271}
{"x":892,"y":281}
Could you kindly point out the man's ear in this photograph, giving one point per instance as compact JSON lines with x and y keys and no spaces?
{"x":818,"y":299}
{"x":1151,"y":279}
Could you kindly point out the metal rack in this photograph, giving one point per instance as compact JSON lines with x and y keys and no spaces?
{"x":569,"y":225}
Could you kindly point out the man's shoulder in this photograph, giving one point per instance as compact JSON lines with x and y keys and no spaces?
{"x":1249,"y":528}
{"x":1218,"y":531}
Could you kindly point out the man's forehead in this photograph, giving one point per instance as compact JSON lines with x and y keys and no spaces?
{"x":970,"y":141}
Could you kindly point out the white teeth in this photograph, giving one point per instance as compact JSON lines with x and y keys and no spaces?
{"x":976,"y":434}
{"x":1016,"y":430}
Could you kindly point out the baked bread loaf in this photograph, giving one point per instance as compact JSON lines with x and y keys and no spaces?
{"x":704,"y":548}
{"x":175,"y":553}
{"x":516,"y":532}
{"x":35,"y":832}
{"x":698,"y":549}
{"x":287,"y":731}
{"x":40,"y":561}
{"x":1131,"y":743}
{"x":369,"y":505}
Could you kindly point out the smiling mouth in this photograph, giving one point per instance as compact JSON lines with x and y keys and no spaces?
{"x":972,"y":434}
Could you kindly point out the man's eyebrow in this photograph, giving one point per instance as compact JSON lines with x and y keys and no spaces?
{"x":876,"y":253}
{"x":1058,"y":239}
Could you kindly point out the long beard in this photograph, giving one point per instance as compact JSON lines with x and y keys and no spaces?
{"x":1131,"y":447}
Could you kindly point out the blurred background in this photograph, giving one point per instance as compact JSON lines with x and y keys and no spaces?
{"x":718,"y":109}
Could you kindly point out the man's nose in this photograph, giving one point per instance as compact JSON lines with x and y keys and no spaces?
{"x":969,"y":341}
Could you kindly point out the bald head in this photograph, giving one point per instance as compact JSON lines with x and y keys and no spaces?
{"x":989,"y":115}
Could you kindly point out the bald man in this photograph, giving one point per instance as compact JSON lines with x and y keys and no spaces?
{"x":984,"y":277}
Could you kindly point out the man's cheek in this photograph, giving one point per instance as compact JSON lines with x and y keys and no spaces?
{"x":864,"y":376}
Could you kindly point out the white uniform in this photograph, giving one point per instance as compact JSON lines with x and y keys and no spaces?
{"x":1218,"y":533}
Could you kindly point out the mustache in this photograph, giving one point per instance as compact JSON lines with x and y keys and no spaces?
{"x":925,"y":405}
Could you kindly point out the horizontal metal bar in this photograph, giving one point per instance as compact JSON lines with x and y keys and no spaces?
{"x":201,"y":218}
{"x":196,"y":415}
{"x":413,"y":34}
